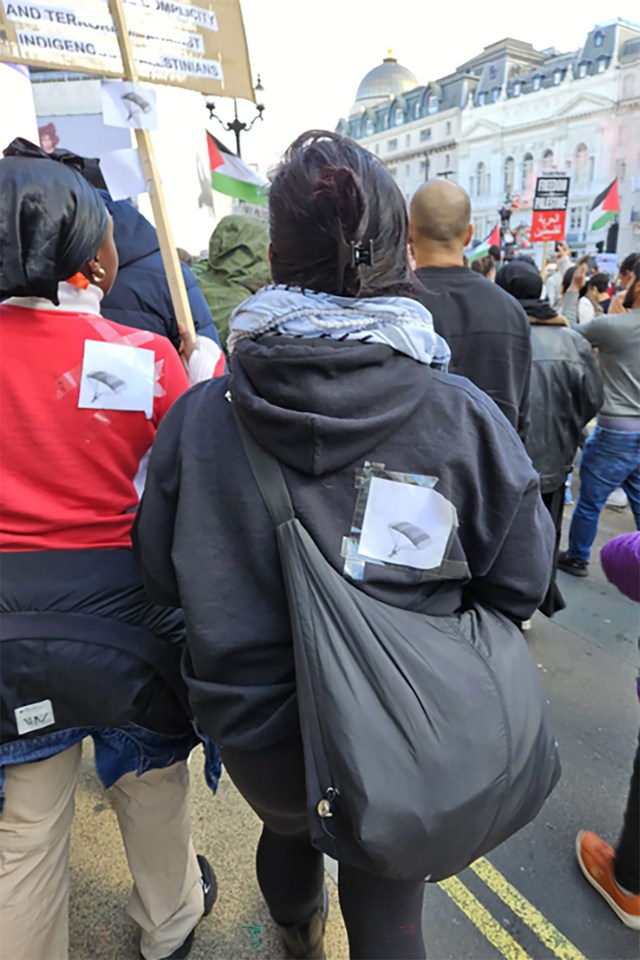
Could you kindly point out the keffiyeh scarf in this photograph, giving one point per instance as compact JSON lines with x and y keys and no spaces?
{"x":398,"y":322}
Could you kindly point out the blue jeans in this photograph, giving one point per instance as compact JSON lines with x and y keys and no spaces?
{"x":610,"y":459}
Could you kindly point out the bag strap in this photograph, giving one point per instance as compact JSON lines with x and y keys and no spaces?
{"x":268,"y":476}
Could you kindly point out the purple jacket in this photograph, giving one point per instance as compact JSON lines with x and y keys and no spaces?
{"x":620,"y":560}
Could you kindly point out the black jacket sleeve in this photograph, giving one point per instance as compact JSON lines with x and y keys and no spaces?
{"x":153,"y":529}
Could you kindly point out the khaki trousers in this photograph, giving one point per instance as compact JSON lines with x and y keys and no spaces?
{"x":153,"y":812}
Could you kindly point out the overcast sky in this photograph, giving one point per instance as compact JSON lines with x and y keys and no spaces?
{"x":312,"y":55}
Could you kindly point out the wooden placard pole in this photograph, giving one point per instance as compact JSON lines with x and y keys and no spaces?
{"x":545,"y":257}
{"x":168,"y":250}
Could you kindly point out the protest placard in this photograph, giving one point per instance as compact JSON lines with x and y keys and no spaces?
{"x":550,"y":208}
{"x":199,"y":44}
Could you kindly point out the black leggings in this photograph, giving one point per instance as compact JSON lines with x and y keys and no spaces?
{"x":627,"y":862}
{"x":383,"y":917}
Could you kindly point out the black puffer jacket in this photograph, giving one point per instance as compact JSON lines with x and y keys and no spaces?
{"x":566,"y":392}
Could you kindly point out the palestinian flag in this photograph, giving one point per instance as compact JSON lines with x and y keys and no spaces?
{"x":605,"y":207}
{"x":493,"y":240}
{"x":231,"y":175}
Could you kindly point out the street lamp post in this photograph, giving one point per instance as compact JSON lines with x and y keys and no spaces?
{"x":237,"y":126}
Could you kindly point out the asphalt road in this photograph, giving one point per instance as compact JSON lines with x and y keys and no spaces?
{"x":527,"y":901}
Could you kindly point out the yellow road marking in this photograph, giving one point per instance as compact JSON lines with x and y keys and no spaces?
{"x":543,"y":928}
{"x":482,"y":919}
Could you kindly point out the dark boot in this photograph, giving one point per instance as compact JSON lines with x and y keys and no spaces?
{"x":305,"y":941}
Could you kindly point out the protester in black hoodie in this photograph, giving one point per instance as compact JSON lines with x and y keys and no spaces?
{"x":335,"y":365}
{"x":487,"y":330}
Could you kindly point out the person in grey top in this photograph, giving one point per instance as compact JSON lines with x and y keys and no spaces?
{"x":611,"y":456}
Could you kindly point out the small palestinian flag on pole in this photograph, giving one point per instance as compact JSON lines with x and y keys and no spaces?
{"x":493,"y":240}
{"x":605,"y":207}
{"x":231,"y":175}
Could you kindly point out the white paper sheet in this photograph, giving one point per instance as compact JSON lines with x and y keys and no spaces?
{"x":123,"y":174}
{"x":406,"y":524}
{"x":117,"y":377}
{"x":126,"y":104}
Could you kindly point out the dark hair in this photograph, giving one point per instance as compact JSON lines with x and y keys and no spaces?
{"x":566,"y":281}
{"x":495,"y":252}
{"x":600,"y":281}
{"x":629,"y":263}
{"x":483,"y":265}
{"x":328,"y":195}
{"x":631,"y":291}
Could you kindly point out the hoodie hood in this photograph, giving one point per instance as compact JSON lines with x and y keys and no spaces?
{"x":134,"y":236}
{"x":238,"y":250}
{"x":319,"y":405}
{"x":237,"y":267}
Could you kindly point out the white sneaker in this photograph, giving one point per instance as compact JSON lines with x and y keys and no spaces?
{"x":617,"y":500}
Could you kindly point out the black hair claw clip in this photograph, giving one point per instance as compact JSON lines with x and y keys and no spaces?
{"x":361,"y":253}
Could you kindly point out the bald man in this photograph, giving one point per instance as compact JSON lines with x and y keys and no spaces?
{"x":486,"y":329}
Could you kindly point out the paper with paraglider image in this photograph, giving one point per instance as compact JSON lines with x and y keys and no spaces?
{"x":406,"y":524}
{"x":127,"y":104}
{"x":117,"y":377}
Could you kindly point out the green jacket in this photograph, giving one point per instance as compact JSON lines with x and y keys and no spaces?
{"x":237,"y":267}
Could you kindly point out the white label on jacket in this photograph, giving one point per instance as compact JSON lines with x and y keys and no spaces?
{"x":117,"y":377}
{"x":34,"y":716}
{"x":406,"y":524}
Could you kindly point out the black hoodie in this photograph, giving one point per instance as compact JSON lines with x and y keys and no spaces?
{"x":322,"y":407}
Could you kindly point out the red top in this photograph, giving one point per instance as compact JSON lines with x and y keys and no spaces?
{"x":70,"y":478}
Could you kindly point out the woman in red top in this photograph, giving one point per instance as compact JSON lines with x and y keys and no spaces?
{"x":84,"y":652}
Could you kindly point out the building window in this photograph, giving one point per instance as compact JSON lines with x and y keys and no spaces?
{"x":423,"y":167}
{"x":433,"y":104}
{"x":557,"y":77}
{"x":448,"y":128}
{"x":581,"y":164}
{"x":547,"y":161}
{"x":590,"y":169}
{"x":481,"y":180}
{"x":398,"y":117}
{"x":602,"y":64}
{"x":407,"y":140}
{"x":447,"y":161}
{"x":416,"y":110}
{"x":425,"y":134}
{"x":488,"y":184}
{"x":527,"y":170}
{"x":582,"y":70}
{"x":575,"y":219}
{"x":370,"y":128}
{"x":481,"y":99}
{"x":377,"y":148}
{"x":392,"y":145}
{"x":493,"y":71}
{"x":599,"y":38}
{"x":407,"y":169}
{"x":509,"y":170}
{"x":517,"y":89}
{"x":536,"y":82}
{"x":495,"y":94}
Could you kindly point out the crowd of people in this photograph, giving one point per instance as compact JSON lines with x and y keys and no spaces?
{"x":143,"y":599}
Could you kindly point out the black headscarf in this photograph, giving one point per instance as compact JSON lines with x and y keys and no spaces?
{"x":521,"y":279}
{"x":51,"y":222}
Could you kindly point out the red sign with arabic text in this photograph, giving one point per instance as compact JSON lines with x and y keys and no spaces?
{"x":548,"y":225}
